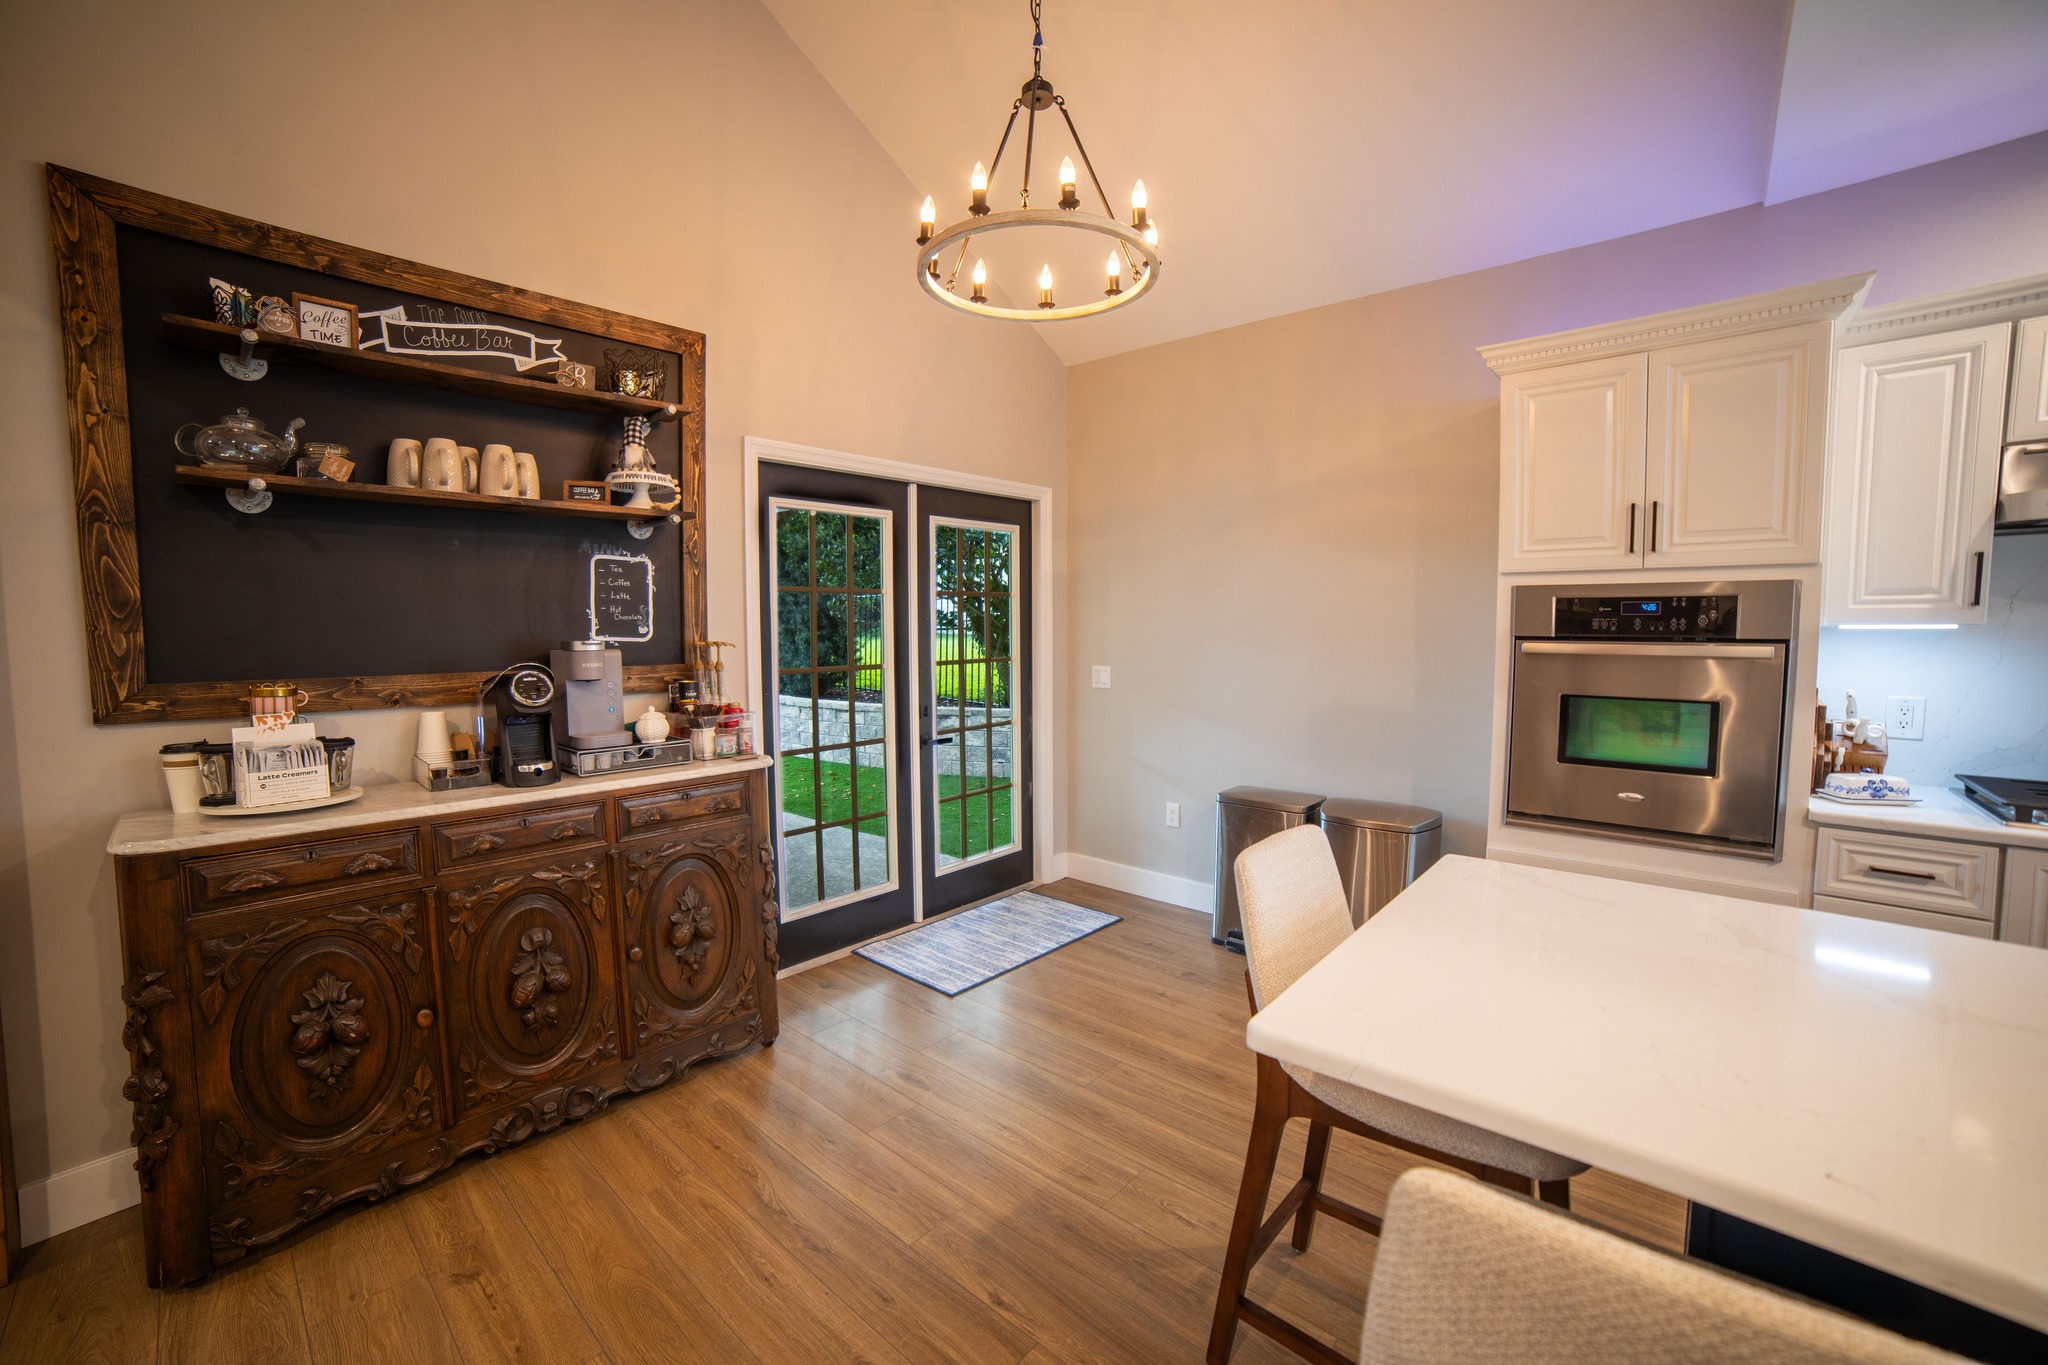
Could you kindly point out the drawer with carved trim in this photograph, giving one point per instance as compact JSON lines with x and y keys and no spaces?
{"x":502,"y":835}
{"x":266,"y":873}
{"x":662,"y":810}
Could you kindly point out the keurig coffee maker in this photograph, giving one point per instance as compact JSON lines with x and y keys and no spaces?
{"x":519,"y":713}
{"x":593,"y":695}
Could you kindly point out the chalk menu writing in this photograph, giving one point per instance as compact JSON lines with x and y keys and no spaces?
{"x":621,"y":598}
{"x":446,"y":330}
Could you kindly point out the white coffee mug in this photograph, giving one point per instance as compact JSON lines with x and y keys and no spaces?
{"x":469,"y":468}
{"x":498,"y":475}
{"x":402,"y":467}
{"x":529,"y":475}
{"x":441,"y":466}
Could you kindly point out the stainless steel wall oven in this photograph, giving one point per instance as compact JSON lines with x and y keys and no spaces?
{"x":1653,"y":712}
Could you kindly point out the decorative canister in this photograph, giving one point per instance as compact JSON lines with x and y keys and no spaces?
{"x":276,"y":699}
{"x":341,"y":762}
{"x":217,"y":774}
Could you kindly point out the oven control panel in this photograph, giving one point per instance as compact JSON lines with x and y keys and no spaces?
{"x":1664,"y":618}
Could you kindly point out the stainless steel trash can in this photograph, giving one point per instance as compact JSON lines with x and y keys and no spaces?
{"x":1380,"y":848}
{"x":1245,"y":815}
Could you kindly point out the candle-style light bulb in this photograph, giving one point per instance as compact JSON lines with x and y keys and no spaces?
{"x":1138,"y":205}
{"x":977,"y":185}
{"x":1068,"y":198}
{"x":1116,"y":274}
{"x":1045,"y":287}
{"x":980,"y":280}
{"x":927,"y":218}
{"x":1151,"y":234}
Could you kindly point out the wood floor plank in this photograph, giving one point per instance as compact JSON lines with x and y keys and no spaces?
{"x":802,"y":1009}
{"x":66,"y":1306}
{"x":914,"y":1302}
{"x":899,"y":1018}
{"x":351,"y":1259}
{"x":399,"y":1323}
{"x":497,"y":1293}
{"x":822,"y":1074}
{"x":637,"y":1304}
{"x":253,"y":1315}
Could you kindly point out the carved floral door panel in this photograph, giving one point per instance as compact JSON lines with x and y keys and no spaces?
{"x":316,"y":1027}
{"x":690,"y":931}
{"x":527,"y":964}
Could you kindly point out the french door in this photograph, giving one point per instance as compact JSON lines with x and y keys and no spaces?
{"x":896,"y":629}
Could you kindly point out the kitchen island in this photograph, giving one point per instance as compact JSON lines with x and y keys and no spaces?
{"x":1868,"y":1088}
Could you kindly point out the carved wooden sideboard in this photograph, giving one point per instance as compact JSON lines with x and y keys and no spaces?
{"x":338,"y":1014}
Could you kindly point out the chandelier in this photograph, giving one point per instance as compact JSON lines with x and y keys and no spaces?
{"x":1133,"y":250}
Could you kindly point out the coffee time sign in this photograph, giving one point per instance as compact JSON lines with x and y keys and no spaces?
{"x":437,"y":331}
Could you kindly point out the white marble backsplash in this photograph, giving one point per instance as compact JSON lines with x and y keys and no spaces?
{"x":1986,"y":686}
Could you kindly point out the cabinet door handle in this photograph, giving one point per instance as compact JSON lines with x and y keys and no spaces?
{"x":1903,"y":872}
{"x":1632,"y":527}
{"x":1977,"y":583}
{"x":368,"y":862}
{"x":425,"y":1018}
{"x":634,"y":954}
{"x":1654,"y":508}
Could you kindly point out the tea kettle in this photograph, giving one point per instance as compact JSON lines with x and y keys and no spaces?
{"x":239,"y":442}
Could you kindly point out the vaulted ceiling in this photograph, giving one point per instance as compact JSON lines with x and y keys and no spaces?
{"x":1301,"y":152}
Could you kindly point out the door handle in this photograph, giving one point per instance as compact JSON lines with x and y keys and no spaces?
{"x":931,"y":743}
{"x":1903,"y":872}
{"x":1977,"y":585}
{"x":1629,"y":649}
{"x":1632,"y":527}
{"x":1654,"y":508}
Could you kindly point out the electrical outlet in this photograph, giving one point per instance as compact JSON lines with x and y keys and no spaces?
{"x":1100,"y":674}
{"x":1173,"y":815}
{"x":1905,"y":717}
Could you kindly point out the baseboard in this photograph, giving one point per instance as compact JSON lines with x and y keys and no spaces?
{"x":81,"y":1195}
{"x":1141,"y":881}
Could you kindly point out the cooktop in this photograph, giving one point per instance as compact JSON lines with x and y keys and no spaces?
{"x":2015,"y":800}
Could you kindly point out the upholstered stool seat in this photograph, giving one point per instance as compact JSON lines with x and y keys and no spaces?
{"x":1295,"y":913}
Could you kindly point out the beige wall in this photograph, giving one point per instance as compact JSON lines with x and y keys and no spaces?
{"x":681,"y":161}
{"x":1282,"y":536}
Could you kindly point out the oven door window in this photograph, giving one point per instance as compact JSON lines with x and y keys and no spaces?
{"x":1651,"y":734}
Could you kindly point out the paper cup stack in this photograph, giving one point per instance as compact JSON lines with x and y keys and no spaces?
{"x":432,"y":748}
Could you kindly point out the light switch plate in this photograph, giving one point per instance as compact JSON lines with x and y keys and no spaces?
{"x":1905,"y":717}
{"x":1100,"y":675}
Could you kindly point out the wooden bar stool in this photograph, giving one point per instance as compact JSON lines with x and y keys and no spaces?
{"x":1294,"y":914}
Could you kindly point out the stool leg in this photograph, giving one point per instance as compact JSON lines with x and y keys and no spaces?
{"x":1312,"y":1172}
{"x":1269,"y":1121}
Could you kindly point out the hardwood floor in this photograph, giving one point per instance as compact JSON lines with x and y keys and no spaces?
{"x":1040,"y":1170}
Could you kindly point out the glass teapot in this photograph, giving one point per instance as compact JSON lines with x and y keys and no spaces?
{"x":239,"y":442}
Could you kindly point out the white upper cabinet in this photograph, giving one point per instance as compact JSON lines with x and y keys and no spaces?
{"x":1913,"y":477}
{"x":1693,"y":439}
{"x":2028,"y":418}
{"x":1736,"y":444}
{"x":1572,"y":465}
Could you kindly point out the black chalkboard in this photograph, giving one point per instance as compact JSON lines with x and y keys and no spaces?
{"x":621,"y":598}
{"x":316,"y":588}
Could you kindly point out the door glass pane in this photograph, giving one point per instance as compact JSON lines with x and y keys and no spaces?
{"x":973,"y":652}
{"x":832,"y":690}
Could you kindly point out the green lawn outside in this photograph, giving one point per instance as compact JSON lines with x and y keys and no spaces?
{"x":800,"y":778}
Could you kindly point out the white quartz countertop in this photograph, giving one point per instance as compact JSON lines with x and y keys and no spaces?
{"x":1875,"y":1089}
{"x":161,"y":831}
{"x":1943,"y":813}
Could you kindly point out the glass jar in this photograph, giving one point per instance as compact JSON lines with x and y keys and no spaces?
{"x":216,"y":774}
{"x":341,"y":762}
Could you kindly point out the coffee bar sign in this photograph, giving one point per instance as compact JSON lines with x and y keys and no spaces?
{"x":439,"y":330}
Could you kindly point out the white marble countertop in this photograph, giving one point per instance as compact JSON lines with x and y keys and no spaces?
{"x":1875,"y":1089}
{"x":1943,"y":813}
{"x":162,"y":831}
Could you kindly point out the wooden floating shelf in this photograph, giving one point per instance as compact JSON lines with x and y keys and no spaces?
{"x":238,"y":480}
{"x":429,"y":374}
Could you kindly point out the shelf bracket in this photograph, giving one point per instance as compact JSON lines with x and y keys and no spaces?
{"x":640,"y":530}
{"x":245,"y":366}
{"x":252,"y":497}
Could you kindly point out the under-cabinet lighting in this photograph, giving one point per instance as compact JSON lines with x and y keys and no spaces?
{"x":1903,"y":625}
{"x":1871,"y":964}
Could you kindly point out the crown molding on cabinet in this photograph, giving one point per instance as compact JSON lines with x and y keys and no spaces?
{"x":1822,"y":302}
{"x":1986,"y":304}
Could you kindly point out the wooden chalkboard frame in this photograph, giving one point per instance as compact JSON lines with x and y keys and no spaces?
{"x":84,"y":211}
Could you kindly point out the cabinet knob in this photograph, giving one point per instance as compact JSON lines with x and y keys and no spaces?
{"x":634,"y":954}
{"x":424,"y":1018}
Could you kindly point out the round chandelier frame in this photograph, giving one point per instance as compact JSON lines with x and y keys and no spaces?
{"x":1135,"y":243}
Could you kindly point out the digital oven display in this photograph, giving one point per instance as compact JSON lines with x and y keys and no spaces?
{"x":1644,"y":607}
{"x":1650,"y":734}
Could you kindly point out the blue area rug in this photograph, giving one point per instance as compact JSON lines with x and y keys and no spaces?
{"x":961,"y":951}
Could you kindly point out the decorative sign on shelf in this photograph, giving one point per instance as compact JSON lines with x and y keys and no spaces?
{"x":438,"y":330}
{"x":326,"y":321}
{"x":621,"y":598}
